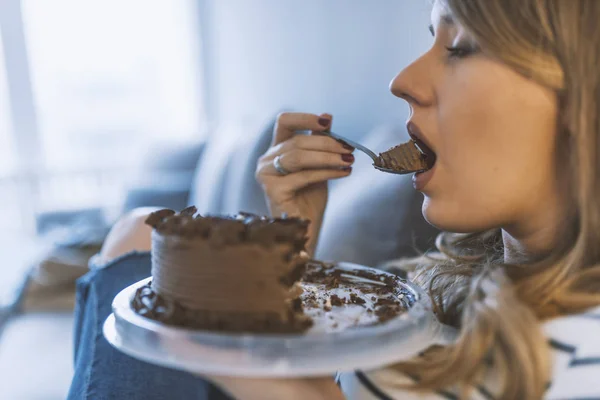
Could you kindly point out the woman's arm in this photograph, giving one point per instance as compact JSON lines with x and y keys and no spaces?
{"x":277,"y":389}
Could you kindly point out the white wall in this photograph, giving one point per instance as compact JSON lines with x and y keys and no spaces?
{"x":334,"y":56}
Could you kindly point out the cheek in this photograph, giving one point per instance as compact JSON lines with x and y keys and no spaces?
{"x":495,"y":149}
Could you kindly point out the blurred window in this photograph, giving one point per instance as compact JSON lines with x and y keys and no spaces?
{"x":7,"y":150}
{"x":109,"y":76}
{"x":108,"y":79}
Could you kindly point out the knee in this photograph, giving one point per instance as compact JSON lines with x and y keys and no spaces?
{"x":129,"y":233}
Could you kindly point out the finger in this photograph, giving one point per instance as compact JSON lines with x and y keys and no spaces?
{"x":298,"y":160}
{"x":309,"y":143}
{"x":305,"y":178}
{"x":289,"y":123}
{"x":283,"y":186}
{"x":324,"y":118}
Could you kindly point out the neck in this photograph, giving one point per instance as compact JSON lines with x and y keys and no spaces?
{"x":537,"y":231}
{"x":534,"y":238}
{"x":520,"y":251}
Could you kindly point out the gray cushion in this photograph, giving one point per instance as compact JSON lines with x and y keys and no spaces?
{"x":171,"y":196}
{"x":224,"y":179}
{"x":207,"y":187}
{"x":241,"y":191}
{"x":165,"y":177}
{"x":373,"y":216}
{"x":167,"y":156}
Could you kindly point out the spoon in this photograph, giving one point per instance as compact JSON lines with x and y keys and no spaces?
{"x":367,"y":151}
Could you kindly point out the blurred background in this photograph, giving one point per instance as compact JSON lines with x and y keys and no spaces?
{"x":107,"y":105}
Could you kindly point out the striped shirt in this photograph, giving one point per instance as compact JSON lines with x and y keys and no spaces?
{"x":574,"y":341}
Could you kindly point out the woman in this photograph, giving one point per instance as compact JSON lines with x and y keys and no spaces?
{"x":508,"y":98}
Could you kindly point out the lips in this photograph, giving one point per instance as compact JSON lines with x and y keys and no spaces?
{"x":428,"y":154}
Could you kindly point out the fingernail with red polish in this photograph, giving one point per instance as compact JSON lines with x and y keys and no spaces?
{"x":347,"y":157}
{"x":324,"y":122}
{"x":346,"y":145}
{"x":347,"y":169}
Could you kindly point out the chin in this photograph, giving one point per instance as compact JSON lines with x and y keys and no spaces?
{"x":448,"y":219}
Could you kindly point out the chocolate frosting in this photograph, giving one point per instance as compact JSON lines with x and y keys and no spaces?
{"x":229,"y":272}
{"x":246,"y":278}
{"x":238,"y":229}
{"x":403,"y":158}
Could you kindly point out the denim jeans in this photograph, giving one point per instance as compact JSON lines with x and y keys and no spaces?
{"x":102,"y":372}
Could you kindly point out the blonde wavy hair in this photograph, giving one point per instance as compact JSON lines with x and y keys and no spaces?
{"x":498,"y":306}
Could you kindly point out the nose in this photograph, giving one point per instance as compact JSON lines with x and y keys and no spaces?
{"x":414,"y":84}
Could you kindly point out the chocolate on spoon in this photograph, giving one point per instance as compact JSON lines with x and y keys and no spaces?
{"x":405,"y":158}
{"x":402,"y":159}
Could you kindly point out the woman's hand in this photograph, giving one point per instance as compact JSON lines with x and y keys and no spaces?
{"x":277,"y":389}
{"x":310,"y":160}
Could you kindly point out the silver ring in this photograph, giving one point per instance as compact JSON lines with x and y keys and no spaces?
{"x":279,"y":167}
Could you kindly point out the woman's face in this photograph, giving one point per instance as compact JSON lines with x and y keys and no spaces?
{"x":493,"y":132}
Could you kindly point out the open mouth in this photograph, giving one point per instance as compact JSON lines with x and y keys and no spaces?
{"x":427,"y":154}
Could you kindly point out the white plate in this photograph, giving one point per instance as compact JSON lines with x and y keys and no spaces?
{"x":316,"y":353}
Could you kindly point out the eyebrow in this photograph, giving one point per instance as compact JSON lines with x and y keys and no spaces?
{"x":446,"y":20}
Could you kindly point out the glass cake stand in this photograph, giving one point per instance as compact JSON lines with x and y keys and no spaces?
{"x":292,"y":355}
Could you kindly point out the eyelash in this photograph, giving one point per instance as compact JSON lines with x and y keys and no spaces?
{"x":459,"y":52}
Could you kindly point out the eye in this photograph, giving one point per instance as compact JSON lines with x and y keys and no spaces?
{"x":460,"y":51}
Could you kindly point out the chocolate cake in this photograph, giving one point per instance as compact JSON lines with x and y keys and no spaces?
{"x":233,"y":274}
{"x":405,"y":158}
